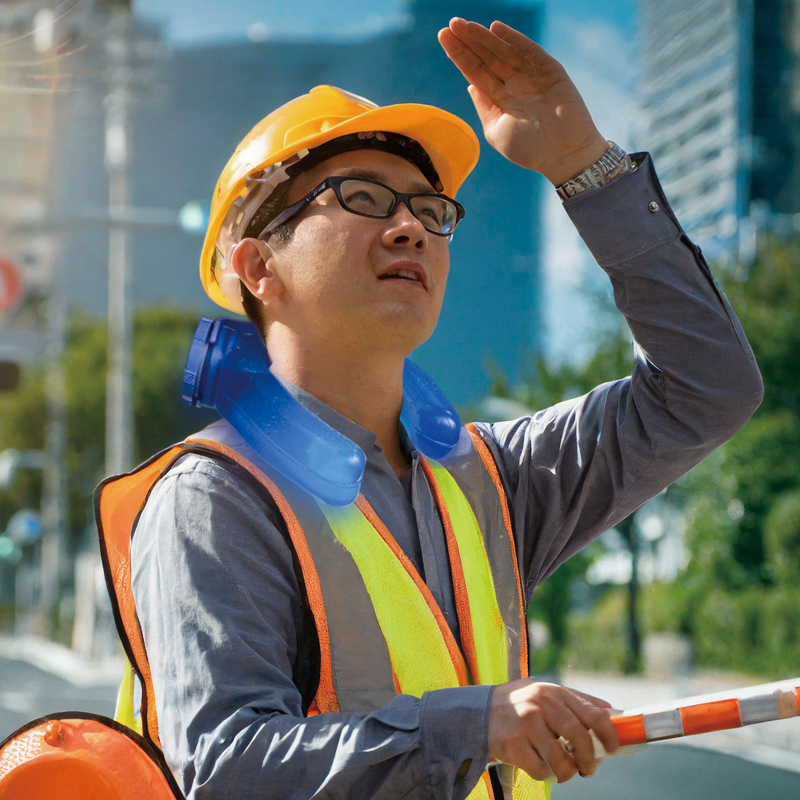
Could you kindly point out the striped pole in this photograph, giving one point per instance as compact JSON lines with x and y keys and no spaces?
{"x":718,"y":712}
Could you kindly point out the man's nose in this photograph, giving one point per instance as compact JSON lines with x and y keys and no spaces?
{"x":404,"y":228}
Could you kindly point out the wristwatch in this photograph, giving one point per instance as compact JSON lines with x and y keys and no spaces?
{"x":615,"y":161}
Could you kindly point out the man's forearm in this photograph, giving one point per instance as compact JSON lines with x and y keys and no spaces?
{"x":410,"y":748}
{"x":680,"y":320}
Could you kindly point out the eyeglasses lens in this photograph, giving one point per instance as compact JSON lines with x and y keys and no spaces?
{"x":435,"y":213}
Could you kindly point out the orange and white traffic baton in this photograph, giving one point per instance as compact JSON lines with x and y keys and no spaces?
{"x":707,"y":713}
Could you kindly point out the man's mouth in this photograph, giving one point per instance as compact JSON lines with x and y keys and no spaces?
{"x":405,"y":274}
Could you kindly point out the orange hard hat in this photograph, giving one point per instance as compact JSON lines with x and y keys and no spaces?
{"x":324,"y":114}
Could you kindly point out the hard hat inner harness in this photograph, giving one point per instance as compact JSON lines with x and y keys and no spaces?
{"x":368,"y":140}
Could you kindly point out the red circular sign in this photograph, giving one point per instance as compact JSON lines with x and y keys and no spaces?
{"x":10,"y":284}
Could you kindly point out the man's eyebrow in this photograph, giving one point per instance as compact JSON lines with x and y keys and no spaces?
{"x":363,"y":172}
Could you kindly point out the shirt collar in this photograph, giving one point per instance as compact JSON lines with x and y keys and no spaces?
{"x":364,"y":438}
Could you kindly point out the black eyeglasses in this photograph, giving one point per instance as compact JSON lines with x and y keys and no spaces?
{"x":438,"y":213}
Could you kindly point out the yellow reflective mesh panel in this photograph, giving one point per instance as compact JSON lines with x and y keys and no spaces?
{"x":125,"y":712}
{"x":527,"y":788}
{"x":488,"y":631}
{"x":419,"y":655}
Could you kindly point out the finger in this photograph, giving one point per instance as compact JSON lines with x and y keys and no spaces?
{"x":486,"y":109}
{"x":499,"y":56}
{"x":545,"y":741}
{"x":532,"y":762}
{"x":531,"y":51}
{"x":472,"y":67}
{"x":595,"y":718}
{"x":579,"y":743}
{"x":597,"y":701}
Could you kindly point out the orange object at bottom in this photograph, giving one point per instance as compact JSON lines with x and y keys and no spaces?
{"x":83,"y":757}
{"x":707,"y":717}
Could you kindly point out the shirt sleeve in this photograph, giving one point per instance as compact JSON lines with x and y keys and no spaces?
{"x":220,"y":609}
{"x":574,"y":470}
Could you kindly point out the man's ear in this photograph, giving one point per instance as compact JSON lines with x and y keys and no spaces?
{"x":251,"y":260}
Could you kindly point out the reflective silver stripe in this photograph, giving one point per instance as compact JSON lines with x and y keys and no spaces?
{"x":663,"y":725}
{"x":362,"y":671}
{"x":474,"y":480}
{"x":761,"y":708}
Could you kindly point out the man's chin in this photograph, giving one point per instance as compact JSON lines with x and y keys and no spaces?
{"x":403,"y":331}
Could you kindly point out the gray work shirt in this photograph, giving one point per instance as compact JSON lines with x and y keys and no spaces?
{"x":217,"y":592}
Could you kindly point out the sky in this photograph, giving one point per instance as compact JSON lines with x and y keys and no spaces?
{"x":595,"y":42}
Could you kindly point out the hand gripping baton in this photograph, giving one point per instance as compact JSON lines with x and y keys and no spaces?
{"x":228,"y":369}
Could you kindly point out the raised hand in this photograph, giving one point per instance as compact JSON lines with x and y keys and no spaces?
{"x":529,"y":107}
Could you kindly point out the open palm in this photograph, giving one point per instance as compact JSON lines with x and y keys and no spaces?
{"x":529,"y":107}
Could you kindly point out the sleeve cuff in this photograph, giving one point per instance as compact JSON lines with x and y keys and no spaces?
{"x":455,"y":728}
{"x":626,"y":217}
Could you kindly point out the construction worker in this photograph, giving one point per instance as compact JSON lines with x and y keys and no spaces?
{"x":289,"y":656}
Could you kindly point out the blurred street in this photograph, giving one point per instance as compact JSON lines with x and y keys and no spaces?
{"x":41,"y":677}
{"x":668,"y":771}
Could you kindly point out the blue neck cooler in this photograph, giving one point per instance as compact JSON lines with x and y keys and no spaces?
{"x":228,"y":369}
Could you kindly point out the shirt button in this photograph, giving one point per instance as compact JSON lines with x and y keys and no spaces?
{"x":653,"y":206}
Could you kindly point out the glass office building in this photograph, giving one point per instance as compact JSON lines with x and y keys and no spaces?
{"x":718,"y":113}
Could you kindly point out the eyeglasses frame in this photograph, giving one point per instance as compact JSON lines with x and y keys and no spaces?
{"x":335,"y":181}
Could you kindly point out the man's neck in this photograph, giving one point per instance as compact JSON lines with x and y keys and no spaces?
{"x":369,"y":393}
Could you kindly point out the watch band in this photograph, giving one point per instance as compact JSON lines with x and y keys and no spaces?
{"x":614,"y":162}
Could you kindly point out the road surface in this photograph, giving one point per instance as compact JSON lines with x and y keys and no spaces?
{"x":660,"y":772}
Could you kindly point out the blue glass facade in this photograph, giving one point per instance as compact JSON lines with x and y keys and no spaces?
{"x":215,"y":94}
{"x":720,"y":114}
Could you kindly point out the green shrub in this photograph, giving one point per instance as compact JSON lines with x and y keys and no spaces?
{"x":782,"y":536}
{"x":756,"y":631}
{"x":597,"y":637}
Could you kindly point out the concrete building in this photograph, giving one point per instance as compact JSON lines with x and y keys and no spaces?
{"x":719,"y":114}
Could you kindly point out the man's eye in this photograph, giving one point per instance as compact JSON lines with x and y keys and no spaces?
{"x":361,"y":196}
{"x":429,"y":209}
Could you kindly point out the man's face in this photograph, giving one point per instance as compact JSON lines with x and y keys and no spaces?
{"x":330,"y":267}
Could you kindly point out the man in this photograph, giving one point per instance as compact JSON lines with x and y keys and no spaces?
{"x":221,"y":580}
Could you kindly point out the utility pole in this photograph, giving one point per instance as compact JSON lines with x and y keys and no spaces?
{"x":54,"y":487}
{"x":119,"y":396}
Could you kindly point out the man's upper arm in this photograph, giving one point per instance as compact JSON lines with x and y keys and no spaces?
{"x":574,"y":470}
{"x":232,"y":646}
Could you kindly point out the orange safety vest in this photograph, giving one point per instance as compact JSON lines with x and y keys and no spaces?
{"x":362,"y":673}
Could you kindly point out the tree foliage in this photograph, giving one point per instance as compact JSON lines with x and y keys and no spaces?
{"x":733,"y":493}
{"x":738,"y":599}
{"x":740,"y":594}
{"x":161,"y":341}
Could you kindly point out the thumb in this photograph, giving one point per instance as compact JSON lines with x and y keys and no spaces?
{"x":483,"y":104}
